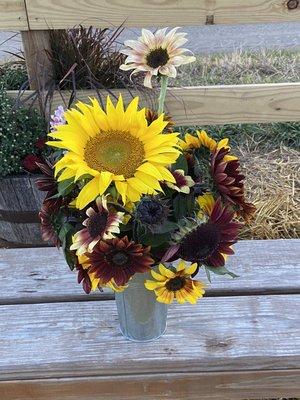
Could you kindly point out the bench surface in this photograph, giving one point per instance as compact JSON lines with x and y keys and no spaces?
{"x":241,"y":341}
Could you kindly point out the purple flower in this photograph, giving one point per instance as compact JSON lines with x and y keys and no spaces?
{"x":57,"y":118}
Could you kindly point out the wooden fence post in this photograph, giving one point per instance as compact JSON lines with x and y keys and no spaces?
{"x":39,"y":67}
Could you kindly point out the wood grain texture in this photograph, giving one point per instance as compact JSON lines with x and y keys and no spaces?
{"x":42,"y":275}
{"x":140,"y":13}
{"x":191,"y":386}
{"x":19,"y":193}
{"x":68,"y":340}
{"x":39,"y":67}
{"x":206,"y":105}
{"x":13,"y":15}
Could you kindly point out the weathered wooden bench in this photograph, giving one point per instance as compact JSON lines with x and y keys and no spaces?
{"x":241,"y":341}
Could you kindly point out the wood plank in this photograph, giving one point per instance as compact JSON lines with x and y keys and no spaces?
{"x":68,"y":340}
{"x":41,"y":274}
{"x":13,"y":15}
{"x":39,"y":68}
{"x":204,"y":105}
{"x":139,"y":13}
{"x":197,"y":386}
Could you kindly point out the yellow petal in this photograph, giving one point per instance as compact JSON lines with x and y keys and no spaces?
{"x":165,"y":271}
{"x":191,"y":269}
{"x":89,"y":192}
{"x":157,"y":276}
{"x":105,"y":180}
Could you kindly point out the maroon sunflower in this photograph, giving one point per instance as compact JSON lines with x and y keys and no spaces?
{"x":208,"y":243}
{"x":120,"y":259}
{"x":230,"y":182}
{"x":46,"y":215}
{"x":47,"y":182}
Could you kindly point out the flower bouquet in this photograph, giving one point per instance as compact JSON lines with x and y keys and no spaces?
{"x":136,"y":208}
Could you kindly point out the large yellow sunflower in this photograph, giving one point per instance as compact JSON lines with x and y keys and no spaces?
{"x":114,"y":146}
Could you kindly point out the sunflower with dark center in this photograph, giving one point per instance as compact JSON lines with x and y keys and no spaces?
{"x":158,"y":53}
{"x":100,"y":224}
{"x":119,"y":259}
{"x":208,"y":243}
{"x":169,"y":285}
{"x":152,"y":211}
{"x":230,"y":182}
{"x":88,"y":279}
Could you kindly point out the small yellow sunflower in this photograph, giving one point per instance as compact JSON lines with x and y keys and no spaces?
{"x":169,"y":285}
{"x":89,"y":280}
{"x":202,"y":139}
{"x":115,"y":146}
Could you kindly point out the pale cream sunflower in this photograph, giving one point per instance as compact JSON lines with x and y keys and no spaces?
{"x":169,"y":285}
{"x":156,"y":53}
{"x":114,"y":147}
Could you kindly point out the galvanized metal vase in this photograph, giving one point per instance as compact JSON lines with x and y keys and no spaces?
{"x":141,"y":317}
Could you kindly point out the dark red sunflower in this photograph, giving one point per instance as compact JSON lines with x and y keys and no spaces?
{"x":46,"y":215}
{"x":207,"y":243}
{"x":47,"y":182}
{"x":120,"y":259}
{"x":230,"y":182}
{"x":30,"y":162}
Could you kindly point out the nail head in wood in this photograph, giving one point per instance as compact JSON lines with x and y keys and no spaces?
{"x":210,"y":20}
{"x":292,"y":4}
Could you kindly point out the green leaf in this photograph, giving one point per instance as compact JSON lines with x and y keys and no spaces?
{"x":222,"y":271}
{"x":155,"y":240}
{"x":181,"y":163}
{"x":183,"y":205}
{"x":208,"y":274}
{"x":65,"y":234}
{"x":65,"y":187}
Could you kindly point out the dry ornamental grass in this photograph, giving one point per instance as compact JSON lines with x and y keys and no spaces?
{"x":273,"y":186}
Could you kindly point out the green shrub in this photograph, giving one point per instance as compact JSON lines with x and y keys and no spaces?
{"x":22,"y":137}
{"x":13,"y":75}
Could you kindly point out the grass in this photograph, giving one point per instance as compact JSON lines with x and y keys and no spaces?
{"x":268,"y":66}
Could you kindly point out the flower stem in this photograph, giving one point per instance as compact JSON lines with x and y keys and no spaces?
{"x":162,"y":94}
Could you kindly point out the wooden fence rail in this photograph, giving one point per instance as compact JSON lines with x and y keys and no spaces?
{"x":216,"y":104}
{"x":60,"y":14}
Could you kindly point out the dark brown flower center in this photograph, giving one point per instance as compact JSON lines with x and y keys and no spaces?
{"x":157,"y":58}
{"x":200,"y":243}
{"x":96,"y":224}
{"x":175,"y":284}
{"x":120,"y":258}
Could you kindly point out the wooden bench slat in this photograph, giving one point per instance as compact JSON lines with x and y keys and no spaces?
{"x":199,"y":386}
{"x":82,"y":339}
{"x":42,"y":275}
{"x":58,"y":14}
